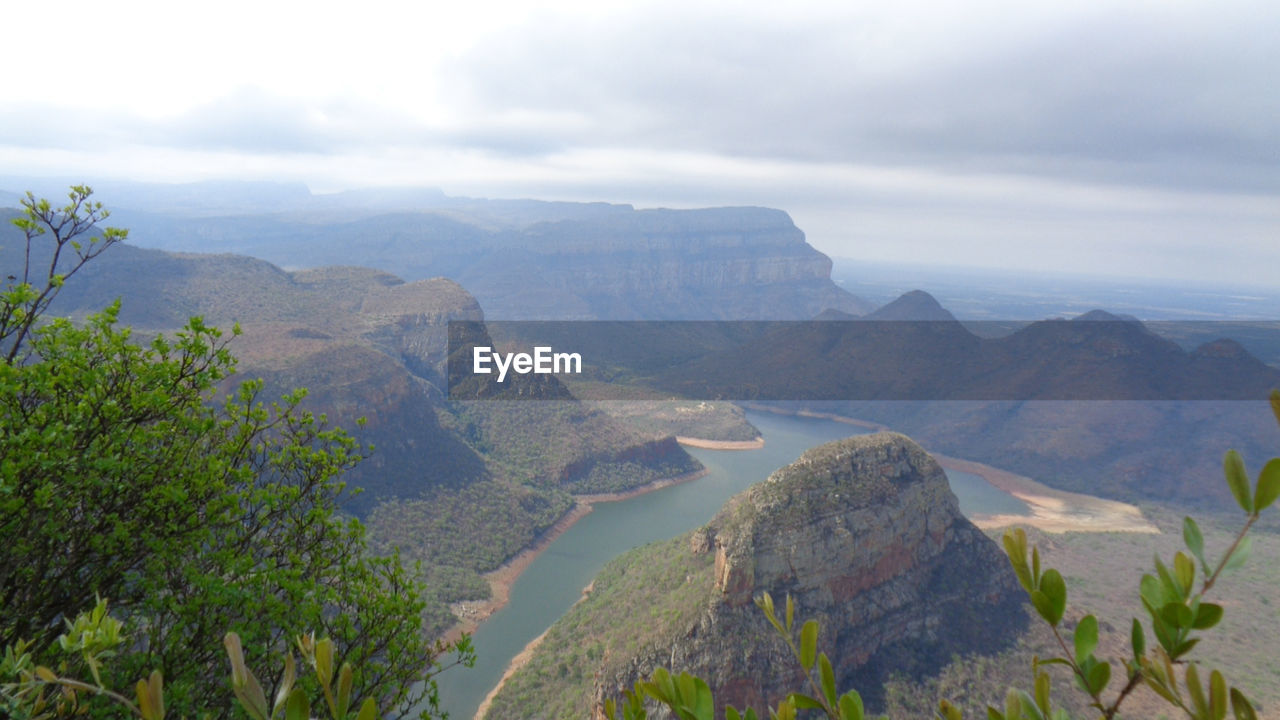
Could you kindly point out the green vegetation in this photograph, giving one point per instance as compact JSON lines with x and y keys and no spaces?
{"x":92,"y":641}
{"x":683,"y":418}
{"x":123,"y":476}
{"x":458,"y":533}
{"x":568,"y":446}
{"x":477,"y":527}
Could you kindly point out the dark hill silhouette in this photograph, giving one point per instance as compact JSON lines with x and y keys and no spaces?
{"x":892,"y":354}
{"x":916,"y":305}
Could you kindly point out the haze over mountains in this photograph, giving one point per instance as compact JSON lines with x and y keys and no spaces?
{"x":522,"y":259}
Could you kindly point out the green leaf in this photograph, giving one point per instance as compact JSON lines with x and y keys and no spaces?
{"x":1173,"y":591}
{"x":1050,"y":600}
{"x":1185,"y":571}
{"x":324,"y":662}
{"x":155,"y":689}
{"x":1185,"y":647}
{"x":1138,"y":639}
{"x":145,"y":708}
{"x":1217,"y":696}
{"x":828,"y":678}
{"x":1027,"y":707}
{"x":1198,"y":701}
{"x":851,"y":706}
{"x":344,"y":690}
{"x":1195,"y":541}
{"x":243,"y":683}
{"x":1099,"y":675}
{"x":704,"y":705}
{"x":1086,"y":638}
{"x":1177,"y":615}
{"x":1042,"y":691}
{"x":1238,"y":479}
{"x":1013,"y":705}
{"x":1240,"y":705}
{"x":808,"y":644}
{"x":804,"y":702}
{"x":368,"y":710}
{"x":1268,"y":485}
{"x":298,"y":707}
{"x":1015,"y":546}
{"x":1151,"y":592}
{"x":286,"y":685}
{"x":1207,"y":615}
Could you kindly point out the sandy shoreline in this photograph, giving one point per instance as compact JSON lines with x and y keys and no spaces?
{"x":1052,"y":510}
{"x":471,"y":613}
{"x":721,"y":444}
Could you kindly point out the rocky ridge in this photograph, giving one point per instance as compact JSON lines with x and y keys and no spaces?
{"x":864,"y":533}
{"x":521,"y":259}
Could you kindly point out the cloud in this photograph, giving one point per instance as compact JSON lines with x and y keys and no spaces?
{"x":1163,"y":94}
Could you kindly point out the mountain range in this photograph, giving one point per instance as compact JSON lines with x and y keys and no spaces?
{"x":522,"y":259}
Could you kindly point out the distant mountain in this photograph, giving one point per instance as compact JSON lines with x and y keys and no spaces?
{"x":1098,"y":404}
{"x":863,"y":533}
{"x":522,"y":259}
{"x":915,"y":305}
{"x":913,"y":349}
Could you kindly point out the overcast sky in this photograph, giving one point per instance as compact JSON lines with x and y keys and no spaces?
{"x":1127,"y":138}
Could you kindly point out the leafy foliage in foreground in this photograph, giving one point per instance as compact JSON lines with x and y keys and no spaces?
{"x":1174,"y":601}
{"x":122,"y":476}
{"x":30,"y":691}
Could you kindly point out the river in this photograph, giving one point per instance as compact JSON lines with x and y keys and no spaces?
{"x":555,"y":579}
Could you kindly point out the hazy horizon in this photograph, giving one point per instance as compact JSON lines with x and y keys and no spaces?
{"x":1129,"y":139}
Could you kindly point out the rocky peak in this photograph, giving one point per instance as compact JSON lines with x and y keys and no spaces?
{"x":868,"y":538}
{"x":784,"y":535}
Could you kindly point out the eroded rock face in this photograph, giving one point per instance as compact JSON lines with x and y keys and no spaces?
{"x":411,"y":320}
{"x":720,"y":263}
{"x":867,"y":537}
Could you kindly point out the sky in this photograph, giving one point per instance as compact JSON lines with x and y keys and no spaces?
{"x":1107,"y":137}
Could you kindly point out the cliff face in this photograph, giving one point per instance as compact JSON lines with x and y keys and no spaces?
{"x":867,"y":537}
{"x":723,"y":263}
{"x":864,"y":533}
{"x":556,"y":261}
